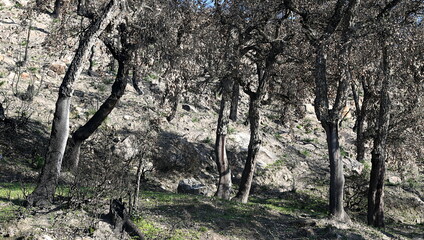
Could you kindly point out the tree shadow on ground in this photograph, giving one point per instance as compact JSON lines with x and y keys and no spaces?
{"x":22,"y":148}
{"x":258,"y":219}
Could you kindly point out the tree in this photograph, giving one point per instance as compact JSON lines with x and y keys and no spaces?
{"x":123,"y":56}
{"x":329,"y":113}
{"x":378,"y":168}
{"x":45,"y":190}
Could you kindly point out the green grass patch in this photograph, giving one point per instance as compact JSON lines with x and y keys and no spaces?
{"x":295,"y":203}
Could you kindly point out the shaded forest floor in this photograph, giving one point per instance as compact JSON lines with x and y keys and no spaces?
{"x":298,"y":214}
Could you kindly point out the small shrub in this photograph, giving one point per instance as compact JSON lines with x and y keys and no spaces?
{"x":207,"y":140}
{"x":231,"y":130}
{"x":305,"y":152}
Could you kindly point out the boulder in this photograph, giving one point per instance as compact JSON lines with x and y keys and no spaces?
{"x":352,"y":167}
{"x":58,"y":67}
{"x":395,"y":180}
{"x":6,"y":3}
{"x":127,"y":148}
{"x":192,"y":186}
{"x":309,"y":108}
{"x":189,"y":108}
{"x":176,"y":153}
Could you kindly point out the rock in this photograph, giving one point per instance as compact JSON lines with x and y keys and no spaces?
{"x":103,"y":231}
{"x":352,"y":167}
{"x":189,"y":108}
{"x":127,"y":117}
{"x":58,"y":67}
{"x":127,"y":148}
{"x":154,"y":88}
{"x":25,"y":75}
{"x":45,"y":237}
{"x":51,"y":74}
{"x":395,"y":180}
{"x":79,"y":93}
{"x":280,"y":178}
{"x":309,"y":108}
{"x":242,"y":140}
{"x":1,"y":58}
{"x":6,"y":3}
{"x":192,"y":186}
{"x":176,"y":153}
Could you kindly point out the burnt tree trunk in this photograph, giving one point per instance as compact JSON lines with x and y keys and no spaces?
{"x":378,"y":159}
{"x":329,"y":119}
{"x":235,"y":101}
{"x":224,"y":183}
{"x":121,"y":220}
{"x":337,"y":179}
{"x":136,"y":77}
{"x":91,"y":63}
{"x":359,"y":128}
{"x":46,"y":187}
{"x":255,"y":99}
{"x":84,"y":132}
{"x":58,"y":8}
{"x":253,"y":149}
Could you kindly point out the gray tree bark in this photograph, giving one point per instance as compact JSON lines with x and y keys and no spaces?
{"x":46,"y":187}
{"x":224,"y":183}
{"x":378,"y":159}
{"x":235,"y":101}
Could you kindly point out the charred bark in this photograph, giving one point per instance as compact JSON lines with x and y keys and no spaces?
{"x":121,"y":220}
{"x":45,"y":190}
{"x":224,"y":183}
{"x":90,"y":71}
{"x":378,"y":159}
{"x":253,"y":149}
{"x":337,"y":179}
{"x":329,"y":119}
{"x":84,"y":132}
{"x":235,"y":101}
{"x":58,"y":8}
{"x":359,"y":128}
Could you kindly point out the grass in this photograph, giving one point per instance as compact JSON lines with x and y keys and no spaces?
{"x":295,"y":203}
{"x":179,"y":216}
{"x":305,"y":153}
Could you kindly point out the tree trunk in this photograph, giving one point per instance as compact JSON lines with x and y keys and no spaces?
{"x":336,"y":172}
{"x":253,"y":149}
{"x":84,"y":132}
{"x":224,"y":183}
{"x":359,"y":128}
{"x":91,"y":62}
{"x":235,"y":101}
{"x":46,"y":187}
{"x":58,"y":6}
{"x":378,"y":159}
{"x":329,"y":119}
{"x":136,"y":77}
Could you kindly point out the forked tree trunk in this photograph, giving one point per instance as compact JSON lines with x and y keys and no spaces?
{"x":378,"y":159}
{"x":46,"y":187}
{"x":253,"y":149}
{"x":329,"y":120}
{"x":235,"y":101}
{"x":361,"y":111}
{"x":84,"y":132}
{"x":224,"y":183}
{"x":336,"y":171}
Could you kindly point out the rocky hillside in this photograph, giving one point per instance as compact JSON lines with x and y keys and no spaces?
{"x":292,"y":176}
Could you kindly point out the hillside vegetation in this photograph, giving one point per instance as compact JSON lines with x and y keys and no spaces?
{"x":155,"y":145}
